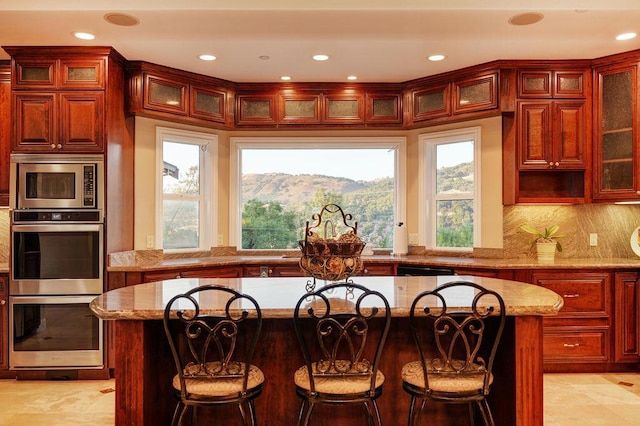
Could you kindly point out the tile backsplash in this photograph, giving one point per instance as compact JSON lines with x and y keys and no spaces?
{"x":613,"y":223}
{"x":4,"y":235}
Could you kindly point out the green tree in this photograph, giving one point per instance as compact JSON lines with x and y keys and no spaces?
{"x":266,"y":225}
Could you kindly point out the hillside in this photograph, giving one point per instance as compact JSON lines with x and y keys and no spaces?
{"x":294,"y":189}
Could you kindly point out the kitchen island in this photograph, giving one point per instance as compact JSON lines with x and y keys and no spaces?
{"x":144,"y":366}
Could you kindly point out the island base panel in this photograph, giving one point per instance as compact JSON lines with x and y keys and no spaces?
{"x":144,"y":369}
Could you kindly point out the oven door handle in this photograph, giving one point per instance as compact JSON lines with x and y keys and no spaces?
{"x":58,"y":227}
{"x":45,"y":300}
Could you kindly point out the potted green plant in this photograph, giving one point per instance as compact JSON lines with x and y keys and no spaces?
{"x":546,"y":242}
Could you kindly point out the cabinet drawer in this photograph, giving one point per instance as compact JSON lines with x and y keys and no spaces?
{"x":588,"y":295}
{"x":272,"y":271}
{"x":573,"y":345}
{"x":378,"y":270}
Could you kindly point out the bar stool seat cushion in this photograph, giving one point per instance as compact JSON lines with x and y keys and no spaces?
{"x":335,"y":383}
{"x":209,"y":385}
{"x":445,"y":382}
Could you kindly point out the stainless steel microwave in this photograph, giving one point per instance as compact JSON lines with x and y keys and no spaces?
{"x":56,"y":182}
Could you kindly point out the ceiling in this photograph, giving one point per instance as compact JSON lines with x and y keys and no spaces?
{"x":376,"y":40}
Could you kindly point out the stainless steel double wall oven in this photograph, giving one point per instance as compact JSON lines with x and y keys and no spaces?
{"x":57,"y":261}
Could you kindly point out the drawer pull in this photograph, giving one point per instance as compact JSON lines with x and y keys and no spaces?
{"x":571,"y":345}
{"x":571,"y":296}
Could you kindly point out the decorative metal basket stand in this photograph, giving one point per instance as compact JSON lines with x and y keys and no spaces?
{"x":327,"y":254}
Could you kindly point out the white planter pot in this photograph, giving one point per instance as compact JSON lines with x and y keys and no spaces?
{"x":546,"y":252}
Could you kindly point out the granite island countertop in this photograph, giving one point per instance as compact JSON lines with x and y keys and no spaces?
{"x":277,"y":296}
{"x":131,"y":262}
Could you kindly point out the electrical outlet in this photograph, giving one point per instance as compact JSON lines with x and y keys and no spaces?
{"x":150,"y":242}
{"x":220,"y":240}
{"x":413,"y":239}
{"x":593,"y":240}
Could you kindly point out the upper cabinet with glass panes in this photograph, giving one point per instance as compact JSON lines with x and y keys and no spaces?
{"x":174,"y":94}
{"x":37,"y":73}
{"x":442,"y":99}
{"x":543,"y":83}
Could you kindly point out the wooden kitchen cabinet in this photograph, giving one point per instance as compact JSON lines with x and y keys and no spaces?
{"x":59,"y":98}
{"x":40,"y":72}
{"x":165,"y":94}
{"x":343,"y":108}
{"x":265,"y":271}
{"x":209,"y":272}
{"x":5,"y":130}
{"x":432,"y":102}
{"x":378,"y":269}
{"x":295,"y":108}
{"x":207,"y":103}
{"x":549,"y":136}
{"x":543,"y":83}
{"x":256,"y":109}
{"x":476,"y":93}
{"x":552,"y":135}
{"x":383,"y":107}
{"x":627,"y":317}
{"x":69,"y":122}
{"x":4,"y":322}
{"x":460,"y":95}
{"x":170,"y":94}
{"x":616,"y":148}
{"x":580,"y":333}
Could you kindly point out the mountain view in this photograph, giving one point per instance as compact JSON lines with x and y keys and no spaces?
{"x":276,"y":207}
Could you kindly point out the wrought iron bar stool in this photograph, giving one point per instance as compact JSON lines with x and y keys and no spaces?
{"x":213,"y":351}
{"x":341,"y":328}
{"x":456,"y":348}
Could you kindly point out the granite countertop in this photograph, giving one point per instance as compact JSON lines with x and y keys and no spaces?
{"x":135,"y":263}
{"x":277,"y":296}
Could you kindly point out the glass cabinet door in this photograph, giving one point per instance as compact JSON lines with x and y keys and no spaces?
{"x":616,"y":152}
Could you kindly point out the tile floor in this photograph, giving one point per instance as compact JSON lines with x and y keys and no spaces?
{"x":570,"y":399}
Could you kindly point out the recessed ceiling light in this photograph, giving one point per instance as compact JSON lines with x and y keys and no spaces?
{"x":320,"y":57}
{"x":352,"y":77}
{"x":121,"y":19}
{"x":264,"y":57}
{"x":436,"y":58}
{"x":84,"y":36}
{"x":285,"y":78}
{"x":526,"y":18}
{"x":206,"y":57}
{"x":625,"y":36}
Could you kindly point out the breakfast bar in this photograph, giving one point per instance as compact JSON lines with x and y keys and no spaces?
{"x":144,"y":366}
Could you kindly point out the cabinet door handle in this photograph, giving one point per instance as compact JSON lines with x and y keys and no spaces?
{"x":53,"y":146}
{"x":178,"y":276}
{"x":571,"y":296}
{"x":3,"y":302}
{"x":571,"y":345}
{"x":557,"y":163}
{"x":59,"y":146}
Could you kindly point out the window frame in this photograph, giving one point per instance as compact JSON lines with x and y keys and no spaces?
{"x":208,"y":185}
{"x":235,"y":168}
{"x":427,"y":143}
